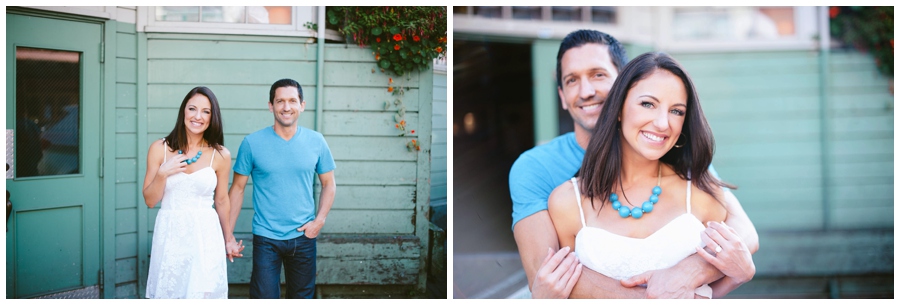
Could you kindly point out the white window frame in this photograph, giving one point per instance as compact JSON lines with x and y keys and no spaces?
{"x":300,"y":15}
{"x":804,"y":38}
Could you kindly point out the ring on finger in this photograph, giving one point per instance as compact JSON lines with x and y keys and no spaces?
{"x":718,"y":249}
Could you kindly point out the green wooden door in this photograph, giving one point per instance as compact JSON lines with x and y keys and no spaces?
{"x":53,"y":109}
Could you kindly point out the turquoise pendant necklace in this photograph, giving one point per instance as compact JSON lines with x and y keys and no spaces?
{"x":637,"y":212}
{"x":194,"y":159}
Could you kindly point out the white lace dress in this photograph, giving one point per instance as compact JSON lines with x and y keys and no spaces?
{"x":187,"y":259}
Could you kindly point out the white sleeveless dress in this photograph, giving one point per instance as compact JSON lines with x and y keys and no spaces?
{"x":621,"y":257}
{"x":187,"y":259}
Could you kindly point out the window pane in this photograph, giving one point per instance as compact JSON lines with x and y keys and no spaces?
{"x":526,"y":12}
{"x":566,"y":13}
{"x":178,"y":13}
{"x":603,"y":14}
{"x":47,"y":112}
{"x":488,"y":11}
{"x":733,"y":23}
{"x":227,"y":14}
{"x":277,"y":14}
{"x":462,"y":10}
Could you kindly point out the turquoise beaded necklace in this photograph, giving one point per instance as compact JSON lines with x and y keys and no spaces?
{"x":194,"y":159}
{"x":637,"y":212}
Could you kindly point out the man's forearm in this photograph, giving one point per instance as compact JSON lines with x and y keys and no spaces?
{"x":593,"y":285}
{"x":326,"y":200}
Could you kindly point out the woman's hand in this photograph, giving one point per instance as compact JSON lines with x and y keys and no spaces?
{"x":172,"y":166}
{"x":726,"y":250}
{"x":233,"y":249}
{"x":557,"y":276}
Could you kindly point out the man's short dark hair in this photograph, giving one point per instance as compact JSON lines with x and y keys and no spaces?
{"x":582,"y":37}
{"x":284,"y":82}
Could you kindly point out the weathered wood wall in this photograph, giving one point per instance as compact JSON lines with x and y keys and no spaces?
{"x":773,"y":126}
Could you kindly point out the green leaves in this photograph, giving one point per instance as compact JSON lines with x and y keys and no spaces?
{"x":403,"y":38}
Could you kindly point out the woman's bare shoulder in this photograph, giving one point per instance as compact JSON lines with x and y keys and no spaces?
{"x":706,"y":206}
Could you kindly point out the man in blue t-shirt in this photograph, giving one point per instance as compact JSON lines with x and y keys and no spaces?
{"x":587,"y":65}
{"x":283,"y":160}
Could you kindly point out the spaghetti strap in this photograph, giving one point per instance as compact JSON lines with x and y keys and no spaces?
{"x":165,"y":151}
{"x":688,"y":200}
{"x":578,"y":200}
{"x":213,"y":157}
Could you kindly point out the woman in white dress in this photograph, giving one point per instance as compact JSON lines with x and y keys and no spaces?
{"x":643,"y":193}
{"x":187,"y":172}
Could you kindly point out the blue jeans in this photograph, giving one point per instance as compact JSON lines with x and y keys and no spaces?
{"x":299,"y":258}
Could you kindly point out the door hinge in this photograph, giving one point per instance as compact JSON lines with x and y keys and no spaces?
{"x":100,"y":277}
{"x":101,"y":167}
{"x":102,"y":52}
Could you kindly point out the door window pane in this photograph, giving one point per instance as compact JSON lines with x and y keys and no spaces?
{"x":733,"y":23}
{"x":566,"y":13}
{"x":178,"y":13}
{"x":48,"y":106}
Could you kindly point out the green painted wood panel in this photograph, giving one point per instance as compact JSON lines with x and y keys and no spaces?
{"x":375,"y":173}
{"x":359,"y":74}
{"x":125,"y":220}
{"x":126,"y":270}
{"x":126,"y":170}
{"x":124,"y":27}
{"x":348,"y":53}
{"x":248,"y":97}
{"x":126,"y":70}
{"x":370,"y":221}
{"x":370,"y":148}
{"x":546,"y":105}
{"x":126,"y":95}
{"x":126,"y":120}
{"x":368,"y":197}
{"x":126,"y":45}
{"x":230,"y":72}
{"x":790,"y":252}
{"x":230,"y":50}
{"x":126,"y":245}
{"x":125,"y":195}
{"x":366,"y":99}
{"x":365,"y":123}
{"x":126,"y":145}
{"x":127,"y":291}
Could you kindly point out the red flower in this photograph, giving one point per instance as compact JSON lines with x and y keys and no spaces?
{"x":412,"y":131}
{"x":390,"y":89}
{"x":390,"y":79}
{"x":397,"y":37}
{"x":377,"y":56}
{"x":415,"y":38}
{"x":397,"y":47}
{"x":377,"y":39}
{"x":833,"y":11}
{"x":439,"y":49}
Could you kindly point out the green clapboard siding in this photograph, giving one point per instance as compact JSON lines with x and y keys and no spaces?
{"x":439,"y":138}
{"x":765,"y":110}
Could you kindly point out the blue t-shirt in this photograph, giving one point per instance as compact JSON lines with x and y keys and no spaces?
{"x":283,"y":173}
{"x":541,"y":169}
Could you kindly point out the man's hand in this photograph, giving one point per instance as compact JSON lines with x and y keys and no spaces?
{"x":311,"y":229}
{"x":670,"y":283}
{"x":727,"y":252}
{"x":557,"y":276}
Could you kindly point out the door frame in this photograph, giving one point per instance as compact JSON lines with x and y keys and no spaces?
{"x":107,"y":139}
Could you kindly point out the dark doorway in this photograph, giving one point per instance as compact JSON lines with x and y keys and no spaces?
{"x":492,"y":125}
